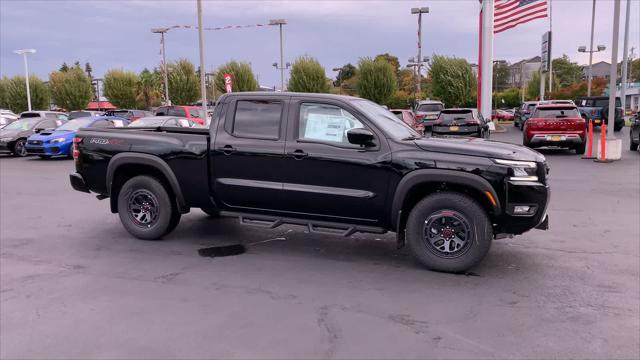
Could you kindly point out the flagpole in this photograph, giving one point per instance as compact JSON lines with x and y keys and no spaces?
{"x":487,"y":57}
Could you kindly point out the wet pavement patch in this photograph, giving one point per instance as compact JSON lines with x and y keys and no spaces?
{"x":220,"y":251}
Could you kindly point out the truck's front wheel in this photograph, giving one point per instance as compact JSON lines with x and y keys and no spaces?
{"x":145,"y":208}
{"x":448,"y":232}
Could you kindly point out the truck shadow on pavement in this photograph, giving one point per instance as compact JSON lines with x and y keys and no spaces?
{"x":226,"y":237}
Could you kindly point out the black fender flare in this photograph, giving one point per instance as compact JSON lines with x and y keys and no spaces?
{"x":127,"y":158}
{"x":423,"y":176}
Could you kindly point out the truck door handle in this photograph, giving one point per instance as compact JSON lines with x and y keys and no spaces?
{"x":227,"y":149}
{"x":298,"y":154}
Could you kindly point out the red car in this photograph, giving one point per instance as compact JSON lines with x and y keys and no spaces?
{"x":556,"y":125}
{"x":409,"y":118}
{"x":501,"y":115}
{"x":193,"y":113}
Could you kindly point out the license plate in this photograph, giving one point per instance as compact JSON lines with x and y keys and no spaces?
{"x":454,"y":128}
{"x":597,"y":121}
{"x":555,"y":138}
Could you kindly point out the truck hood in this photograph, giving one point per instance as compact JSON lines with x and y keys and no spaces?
{"x":479,"y":147}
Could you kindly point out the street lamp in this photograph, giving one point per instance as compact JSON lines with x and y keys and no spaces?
{"x":163,"y":31}
{"x":583,"y":49}
{"x":280,"y":22}
{"x":24,"y":53}
{"x":419,"y":11}
{"x":591,"y":51}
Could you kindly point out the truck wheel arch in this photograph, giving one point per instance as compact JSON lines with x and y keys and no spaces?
{"x":432,"y":179}
{"x":159,"y":166}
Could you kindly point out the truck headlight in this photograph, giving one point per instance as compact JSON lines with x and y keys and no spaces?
{"x":57,"y":141}
{"x":520,"y":170}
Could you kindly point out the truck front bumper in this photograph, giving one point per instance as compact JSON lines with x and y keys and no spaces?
{"x":525,"y":207}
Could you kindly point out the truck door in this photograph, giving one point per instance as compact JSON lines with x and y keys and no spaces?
{"x":328,"y":177}
{"x":247,"y":154}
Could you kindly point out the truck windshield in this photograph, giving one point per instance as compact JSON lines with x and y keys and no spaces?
{"x":385,"y":120}
{"x":553,"y":113}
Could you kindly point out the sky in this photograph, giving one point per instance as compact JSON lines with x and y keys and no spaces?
{"x":116,"y":34}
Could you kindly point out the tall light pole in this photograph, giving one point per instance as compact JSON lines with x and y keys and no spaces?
{"x":583,"y":49}
{"x":163,"y":31}
{"x":24,"y":53}
{"x":625,"y":61}
{"x":419,"y":60}
{"x":203,"y":87}
{"x":591,"y":51}
{"x":280,"y":22}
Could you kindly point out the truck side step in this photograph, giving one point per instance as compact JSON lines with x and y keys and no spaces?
{"x":314,"y":227}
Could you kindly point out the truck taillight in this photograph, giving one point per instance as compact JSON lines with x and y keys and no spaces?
{"x":75,"y":148}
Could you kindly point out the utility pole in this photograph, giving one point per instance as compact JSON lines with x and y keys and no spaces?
{"x":593,"y":19}
{"x":625,"y":61}
{"x":282,"y":67}
{"x":163,"y":31}
{"x":613,"y":72}
{"x":203,"y":88}
{"x":419,"y":60}
{"x":24,"y":53}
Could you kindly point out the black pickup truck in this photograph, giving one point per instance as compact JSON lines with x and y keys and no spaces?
{"x":335,"y":164}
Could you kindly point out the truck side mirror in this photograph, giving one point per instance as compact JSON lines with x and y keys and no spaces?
{"x":360,"y":136}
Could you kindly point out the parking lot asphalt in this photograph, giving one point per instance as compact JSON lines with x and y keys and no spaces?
{"x":75,"y":284}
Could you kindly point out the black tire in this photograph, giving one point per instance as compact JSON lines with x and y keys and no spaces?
{"x":212,"y":212}
{"x":580,"y":149}
{"x":526,"y":142}
{"x":174,"y":221}
{"x":478,"y":233}
{"x":617,"y":127}
{"x":19,"y":149}
{"x":632,"y":146}
{"x":155,"y":208}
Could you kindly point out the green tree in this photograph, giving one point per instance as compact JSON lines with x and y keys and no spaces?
{"x":184,"y":84}
{"x":4,"y":83}
{"x":71,"y":89}
{"x":241,"y":75}
{"x":401,"y":100}
{"x":533,"y":86}
{"x":406,"y":80}
{"x":566,"y":72}
{"x":148,"y":89}
{"x":501,"y":75}
{"x":635,"y":70}
{"x":346,"y":72}
{"x":120,"y":88}
{"x":507,"y":99}
{"x":64,"y":67}
{"x":393,"y":60}
{"x":15,"y":93}
{"x":307,"y":75}
{"x":453,"y":81}
{"x":376,"y":80}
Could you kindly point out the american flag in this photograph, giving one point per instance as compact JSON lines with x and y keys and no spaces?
{"x":511,"y":13}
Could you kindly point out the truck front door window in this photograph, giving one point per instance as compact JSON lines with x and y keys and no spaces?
{"x":325,"y":123}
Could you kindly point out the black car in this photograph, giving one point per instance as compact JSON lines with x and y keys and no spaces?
{"x":634,"y":133}
{"x":460,"y":122}
{"x":523,"y":112}
{"x":335,"y":164}
{"x":13,"y":137}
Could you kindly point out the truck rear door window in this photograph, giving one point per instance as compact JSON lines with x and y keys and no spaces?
{"x":257,"y":119}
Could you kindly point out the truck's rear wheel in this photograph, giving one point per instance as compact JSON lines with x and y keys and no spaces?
{"x":145,"y":208}
{"x":448,"y":232}
{"x":580,"y":149}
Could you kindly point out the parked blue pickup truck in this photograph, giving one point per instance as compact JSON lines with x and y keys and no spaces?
{"x":596,"y":110}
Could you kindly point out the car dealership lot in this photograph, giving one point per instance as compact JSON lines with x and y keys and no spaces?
{"x":75,"y":284}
